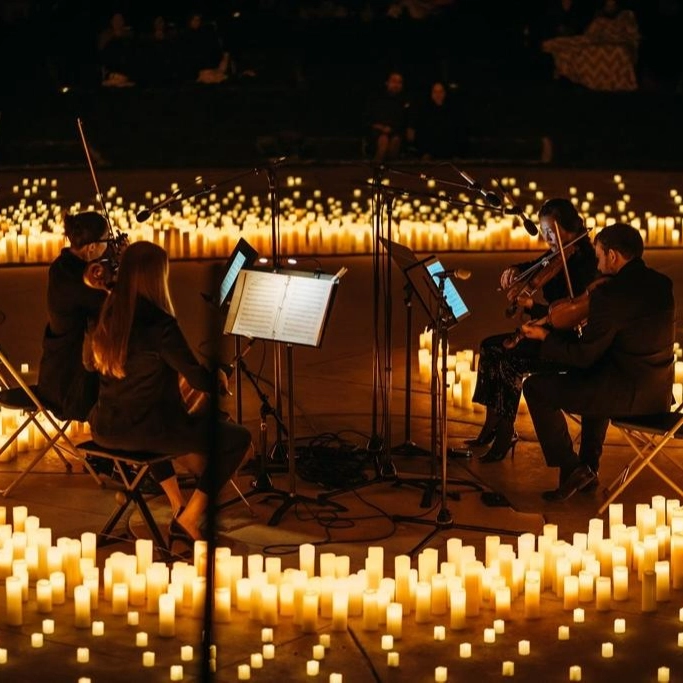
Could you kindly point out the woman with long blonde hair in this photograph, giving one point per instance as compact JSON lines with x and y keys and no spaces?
{"x":139,"y":352}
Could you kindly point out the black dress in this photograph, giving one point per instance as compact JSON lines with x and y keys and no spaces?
{"x":501,"y":371}
{"x":144,"y":411}
{"x":64,"y":384}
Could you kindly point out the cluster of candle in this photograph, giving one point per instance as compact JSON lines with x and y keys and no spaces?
{"x":209,"y":226}
{"x":462,"y":366}
{"x":603,"y":568}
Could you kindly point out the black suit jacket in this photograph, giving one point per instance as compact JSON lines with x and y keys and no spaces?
{"x":625,"y":355}
{"x":63,"y":382}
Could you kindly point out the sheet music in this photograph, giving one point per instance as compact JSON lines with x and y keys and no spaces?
{"x":279,"y":307}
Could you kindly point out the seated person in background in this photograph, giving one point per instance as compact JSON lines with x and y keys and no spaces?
{"x":67,"y":388}
{"x":604,"y":56}
{"x":117,"y":53}
{"x":388,"y":119}
{"x":157,"y":57}
{"x":140,"y":354}
{"x":437,"y":131}
{"x":502,"y":369}
{"x":202,"y":57}
{"x":621,"y":365}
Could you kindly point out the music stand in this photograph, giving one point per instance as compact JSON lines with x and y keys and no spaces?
{"x":445,"y":307}
{"x":290,"y":307}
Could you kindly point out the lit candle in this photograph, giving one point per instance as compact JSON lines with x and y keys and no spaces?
{"x":243,"y":672}
{"x":440,"y":674}
{"x":465,"y":650}
{"x":98,"y":628}
{"x":187,"y":653}
{"x":82,"y":655}
{"x":141,"y":639}
{"x":607,"y":650}
{"x":133,"y":618}
{"x":148,"y":659}
{"x":14,"y":602}
{"x":370,"y":611}
{"x":340,"y":609}
{"x":603,"y":593}
{"x":563,"y":632}
{"x":489,"y":635}
{"x":663,"y":674}
{"x":663,"y":592}
{"x":43,"y":596}
{"x":423,"y":603}
{"x":37,"y":640}
{"x":395,"y":620}
{"x":318,"y":651}
{"x":532,"y":595}
{"x":82,"y":607}
{"x":649,"y":592}
{"x":508,"y":668}
{"x":458,"y":609}
{"x":579,"y":615}
{"x":176,"y":672}
{"x":524,"y":647}
{"x":268,"y":651}
{"x":439,"y":633}
{"x":620,"y":625}
{"x":48,"y":626}
{"x":119,"y":598}
{"x":312,"y":667}
{"x":393,"y":659}
{"x":166,"y":615}
{"x":309,"y":623}
{"x":307,"y":559}
{"x":571,"y":592}
{"x":574,"y":673}
{"x":387,"y":642}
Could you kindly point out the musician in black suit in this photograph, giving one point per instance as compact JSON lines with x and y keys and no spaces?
{"x":621,"y":365}
{"x":140,"y":353}
{"x":63,"y":382}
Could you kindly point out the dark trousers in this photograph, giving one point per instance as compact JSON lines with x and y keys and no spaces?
{"x":547,"y":395}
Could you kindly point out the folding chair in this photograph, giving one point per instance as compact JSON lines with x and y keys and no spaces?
{"x":16,"y":394}
{"x":647,"y":435}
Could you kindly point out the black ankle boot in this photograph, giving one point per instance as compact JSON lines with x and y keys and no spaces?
{"x":488,"y":430}
{"x":505,"y":440}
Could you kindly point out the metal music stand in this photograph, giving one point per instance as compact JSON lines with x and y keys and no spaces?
{"x":290,"y":307}
{"x":445,"y":308}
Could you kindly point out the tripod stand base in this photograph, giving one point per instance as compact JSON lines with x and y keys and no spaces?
{"x":410,"y":449}
{"x":431,"y":487}
{"x":292,"y":499}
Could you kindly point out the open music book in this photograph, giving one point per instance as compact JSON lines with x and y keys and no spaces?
{"x":290,"y":307}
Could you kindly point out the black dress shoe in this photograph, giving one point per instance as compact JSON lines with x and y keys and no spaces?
{"x":591,"y":486}
{"x":579,"y":478}
{"x":497,"y":452}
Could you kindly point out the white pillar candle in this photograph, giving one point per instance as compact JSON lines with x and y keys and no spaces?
{"x":571,"y":592}
{"x":37,"y":640}
{"x":607,"y":650}
{"x":620,"y":625}
{"x":187,"y":653}
{"x":393,"y":659}
{"x":663,"y":592}
{"x":141,"y":639}
{"x":532,"y":595}
{"x":473,"y":581}
{"x":458,"y":609}
{"x":395,"y":620}
{"x":335,"y":678}
{"x":98,"y":628}
{"x":439,"y":633}
{"x":266,"y":635}
{"x":579,"y":615}
{"x":563,"y":632}
{"x":43,"y":596}
{"x":465,"y":650}
{"x":325,"y":640}
{"x":133,"y":618}
{"x":269,"y":613}
{"x":312,"y":667}
{"x":268,"y":650}
{"x":649,"y":592}
{"x":176,"y":672}
{"x":340,"y":609}
{"x":307,"y":559}
{"x":119,"y":598}
{"x":524,"y":647}
{"x":603,"y":593}
{"x":387,"y":642}
{"x":508,"y":668}
{"x":423,"y":603}
{"x":402,"y":576}
{"x":3,"y":655}
{"x":575,"y":673}
{"x":82,"y":655}
{"x":48,"y":626}
{"x":489,"y":635}
{"x":318,"y":651}
{"x":620,"y":576}
{"x":19,"y":514}
{"x":502,"y":596}
{"x":148,"y":659}
{"x":166,"y":615}
{"x":439,"y":594}
{"x":58,"y":582}
{"x":309,"y":622}
{"x":441,"y":674}
{"x":243,"y":672}
{"x":370,"y":610}
{"x":82,"y":607}
{"x":663,"y":674}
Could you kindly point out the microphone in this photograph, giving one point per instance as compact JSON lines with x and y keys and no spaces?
{"x":528,"y":224}
{"x":457,"y":273}
{"x":143,"y":215}
{"x":491,"y":197}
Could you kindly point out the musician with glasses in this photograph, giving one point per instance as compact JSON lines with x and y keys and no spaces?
{"x":501,"y":370}
{"x":64,"y":384}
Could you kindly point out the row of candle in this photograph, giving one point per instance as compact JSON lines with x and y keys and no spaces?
{"x":208,"y":227}
{"x":462,"y":368}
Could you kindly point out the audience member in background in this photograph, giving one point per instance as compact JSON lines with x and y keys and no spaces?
{"x":72,"y":306}
{"x":202,"y":56}
{"x":388,"y":117}
{"x":157,"y":54}
{"x":438,"y":131}
{"x":116,"y":53}
{"x":604,"y":56}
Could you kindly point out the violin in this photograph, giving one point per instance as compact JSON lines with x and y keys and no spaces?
{"x":564,"y":314}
